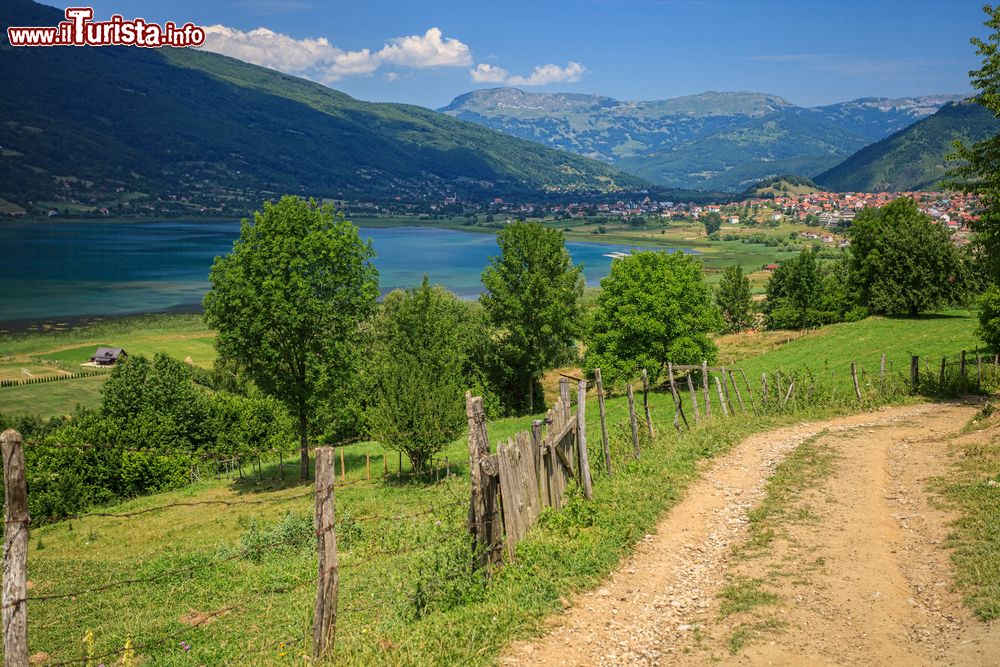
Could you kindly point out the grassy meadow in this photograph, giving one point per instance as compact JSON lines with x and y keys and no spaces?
{"x":232,"y":583}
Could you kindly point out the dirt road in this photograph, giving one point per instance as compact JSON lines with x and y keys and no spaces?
{"x":856,"y":576}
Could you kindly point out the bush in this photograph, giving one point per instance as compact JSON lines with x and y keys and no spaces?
{"x":989,"y":317}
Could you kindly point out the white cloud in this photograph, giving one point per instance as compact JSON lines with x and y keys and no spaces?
{"x":427,"y":50}
{"x":542,"y":75}
{"x":319,"y":60}
{"x":484,"y":73}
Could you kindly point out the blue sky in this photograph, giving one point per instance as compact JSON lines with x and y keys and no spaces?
{"x":427,"y":52}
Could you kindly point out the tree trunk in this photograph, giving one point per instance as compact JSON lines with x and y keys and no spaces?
{"x":303,"y":445}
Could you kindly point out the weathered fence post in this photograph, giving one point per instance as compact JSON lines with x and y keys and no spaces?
{"x":645,"y":401}
{"x":632,"y":420}
{"x":604,"y":422}
{"x":15,"y":552}
{"x":564,"y":395}
{"x":736,"y":388}
{"x":704,"y":387}
{"x":915,"y":372}
{"x":725,"y":390}
{"x":325,"y":614}
{"x":763,"y":389}
{"x":753,"y":406}
{"x":961,"y":370}
{"x":722,"y":400}
{"x":536,"y":447}
{"x":484,"y":517}
{"x":694,"y":399}
{"x":854,"y":376}
{"x":979,"y":372}
{"x":368,"y":467}
{"x":678,"y":404}
{"x":881,"y":368}
{"x":581,"y":439}
{"x":343,"y":469}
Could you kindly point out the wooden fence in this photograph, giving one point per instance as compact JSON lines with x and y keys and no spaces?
{"x":509,"y":489}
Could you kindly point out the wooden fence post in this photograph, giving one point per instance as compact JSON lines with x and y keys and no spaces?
{"x":881,"y":368}
{"x":915,"y":372}
{"x":694,"y":399}
{"x":961,"y":370}
{"x":604,"y":422}
{"x":645,"y":401}
{"x":564,"y":395}
{"x":753,"y":406}
{"x":854,"y":376}
{"x":763,"y":389}
{"x":484,"y":515}
{"x":325,"y":614}
{"x":15,"y":552}
{"x":581,"y":439}
{"x":736,"y":388}
{"x":536,"y":448}
{"x":979,"y":371}
{"x":704,"y":388}
{"x":678,"y":404}
{"x":722,"y":400}
{"x":632,"y":420}
{"x":944,"y":360}
{"x":343,"y":469}
{"x":725,"y":390}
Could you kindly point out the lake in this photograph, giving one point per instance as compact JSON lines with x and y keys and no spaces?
{"x":52,"y":270}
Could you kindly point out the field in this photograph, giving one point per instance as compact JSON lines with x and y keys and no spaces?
{"x":49,"y":353}
{"x":232,"y":583}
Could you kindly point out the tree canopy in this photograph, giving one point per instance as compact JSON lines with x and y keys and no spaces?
{"x":734,"y":299}
{"x":420,"y":370}
{"x":902,"y":262}
{"x":288,"y":300}
{"x":532,"y":296}
{"x":654,"y":307}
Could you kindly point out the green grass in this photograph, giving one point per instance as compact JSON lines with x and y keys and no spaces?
{"x":831,"y":349}
{"x":52,"y":399}
{"x":743,"y":595}
{"x":973,"y":486}
{"x":47,"y":352}
{"x":418,"y":607}
{"x":803,"y":468}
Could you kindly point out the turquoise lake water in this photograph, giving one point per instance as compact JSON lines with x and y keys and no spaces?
{"x":65,"y":270}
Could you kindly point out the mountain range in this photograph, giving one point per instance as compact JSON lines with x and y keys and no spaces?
{"x":915,"y":158}
{"x":714,"y":140}
{"x":185,"y":122}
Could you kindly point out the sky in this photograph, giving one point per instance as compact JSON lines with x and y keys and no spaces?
{"x":426,"y":52}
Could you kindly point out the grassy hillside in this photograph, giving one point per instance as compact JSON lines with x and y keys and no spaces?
{"x":130,"y":124}
{"x":243,"y":593}
{"x":913,"y":158}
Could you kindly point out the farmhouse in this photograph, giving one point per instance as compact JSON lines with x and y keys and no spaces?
{"x":108,"y":356}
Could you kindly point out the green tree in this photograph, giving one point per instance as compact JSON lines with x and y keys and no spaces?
{"x":532,"y":296}
{"x":902,"y":263}
{"x":653,"y":307}
{"x":978,"y":169}
{"x":734,"y":299}
{"x":421,"y":361}
{"x":712,"y":222}
{"x":154,"y":404}
{"x":989,"y":317}
{"x":288,"y":301}
{"x":792,"y":292}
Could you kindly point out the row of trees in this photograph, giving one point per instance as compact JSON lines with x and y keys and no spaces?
{"x":900,"y":262}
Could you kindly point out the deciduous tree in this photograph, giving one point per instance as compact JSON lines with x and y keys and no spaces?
{"x":654,"y":307}
{"x":734,"y":299}
{"x":532,"y":296}
{"x":288,"y":300}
